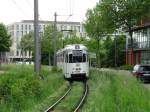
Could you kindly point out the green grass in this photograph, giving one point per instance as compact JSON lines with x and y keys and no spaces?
{"x":109,"y":91}
{"x":22,"y":90}
{"x":112,"y":91}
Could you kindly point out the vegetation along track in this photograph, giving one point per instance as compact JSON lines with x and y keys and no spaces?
{"x":77,"y":106}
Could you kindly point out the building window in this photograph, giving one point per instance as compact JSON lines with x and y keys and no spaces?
{"x":26,"y":27}
{"x":29,"y":27}
{"x":22,"y":27}
{"x":17,"y":27}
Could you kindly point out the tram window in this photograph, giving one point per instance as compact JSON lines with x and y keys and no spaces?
{"x":66,"y":58}
{"x":70,"y":58}
{"x":84,"y":57}
{"x":87,"y":57}
{"x":77,"y":59}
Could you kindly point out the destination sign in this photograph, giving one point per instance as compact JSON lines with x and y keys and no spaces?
{"x":77,"y":53}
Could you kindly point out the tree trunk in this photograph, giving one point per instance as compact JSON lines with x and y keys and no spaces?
{"x":49,"y":59}
{"x":0,"y":59}
{"x":98,"y":54}
{"x":29,"y":56}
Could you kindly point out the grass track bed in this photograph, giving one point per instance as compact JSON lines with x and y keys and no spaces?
{"x":21,"y":90}
{"x":110,"y":91}
{"x":72,"y":99}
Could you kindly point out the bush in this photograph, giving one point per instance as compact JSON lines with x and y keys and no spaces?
{"x":16,"y":87}
{"x":56,"y":69}
{"x":20,"y":87}
{"x":126,"y":67}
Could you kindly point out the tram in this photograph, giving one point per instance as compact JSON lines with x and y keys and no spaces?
{"x":73,"y":60}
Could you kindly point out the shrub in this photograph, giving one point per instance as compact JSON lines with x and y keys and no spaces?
{"x":56,"y":69}
{"x":126,"y":67}
{"x":20,"y":88}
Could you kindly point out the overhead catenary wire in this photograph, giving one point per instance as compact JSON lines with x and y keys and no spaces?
{"x":29,"y":3}
{"x":20,"y":9}
{"x":31,"y":6}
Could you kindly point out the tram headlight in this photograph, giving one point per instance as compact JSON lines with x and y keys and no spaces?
{"x":78,"y":68}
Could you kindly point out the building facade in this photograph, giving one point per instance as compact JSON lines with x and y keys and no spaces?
{"x":141,"y":46}
{"x":18,"y":29}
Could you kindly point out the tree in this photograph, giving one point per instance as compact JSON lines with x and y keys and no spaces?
{"x":120,"y":46}
{"x":97,"y":26}
{"x":125,"y":13}
{"x":27,"y":43}
{"x":108,"y":60}
{"x":114,"y":53}
{"x":74,"y":39}
{"x":47,"y":44}
{"x":5,"y":41}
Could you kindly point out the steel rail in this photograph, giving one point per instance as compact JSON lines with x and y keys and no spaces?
{"x":59,"y":100}
{"x":82,"y":98}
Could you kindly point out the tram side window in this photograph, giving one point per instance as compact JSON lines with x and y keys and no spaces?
{"x":84,"y":57}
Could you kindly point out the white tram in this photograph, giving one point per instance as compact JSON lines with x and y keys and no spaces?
{"x":73,"y":60}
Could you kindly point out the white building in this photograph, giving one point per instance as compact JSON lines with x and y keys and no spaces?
{"x":18,"y":29}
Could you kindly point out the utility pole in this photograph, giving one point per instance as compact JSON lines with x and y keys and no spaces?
{"x":37,"y":43}
{"x":54,"y":38}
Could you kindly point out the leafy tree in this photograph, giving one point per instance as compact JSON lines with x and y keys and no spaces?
{"x":120,"y":46}
{"x":5,"y":41}
{"x":109,"y":56}
{"x":125,"y":14}
{"x":27,"y":42}
{"x":109,"y":45}
{"x":97,"y":27}
{"x":47,"y":44}
{"x":74,"y":39}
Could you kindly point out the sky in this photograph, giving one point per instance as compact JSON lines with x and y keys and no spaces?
{"x":17,"y":10}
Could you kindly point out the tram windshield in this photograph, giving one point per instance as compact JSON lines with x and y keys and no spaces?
{"x":77,"y":59}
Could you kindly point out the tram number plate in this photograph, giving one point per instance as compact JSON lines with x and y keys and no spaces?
{"x":77,"y":71}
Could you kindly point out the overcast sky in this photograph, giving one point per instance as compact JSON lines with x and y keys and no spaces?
{"x":17,"y":10}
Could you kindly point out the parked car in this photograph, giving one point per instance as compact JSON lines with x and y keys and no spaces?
{"x":142,"y":72}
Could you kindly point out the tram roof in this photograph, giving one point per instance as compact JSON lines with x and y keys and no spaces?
{"x":73,"y":47}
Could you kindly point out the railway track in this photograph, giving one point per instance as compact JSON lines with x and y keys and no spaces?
{"x":81,"y":102}
{"x":76,"y":107}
